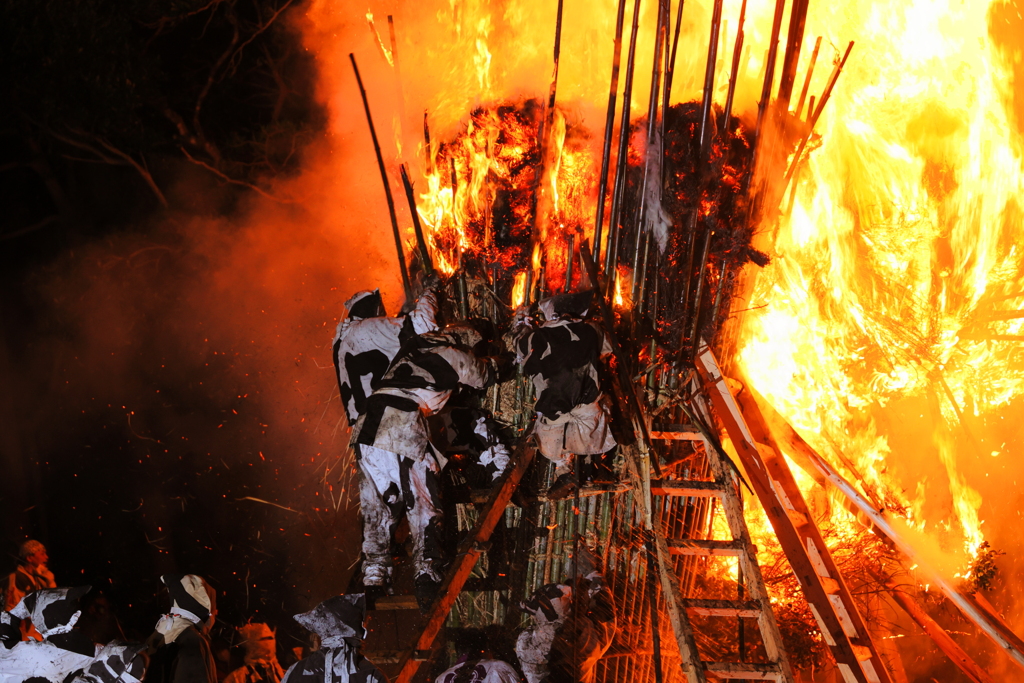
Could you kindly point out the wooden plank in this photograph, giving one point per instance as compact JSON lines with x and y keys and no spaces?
{"x":746,"y":609}
{"x":676,"y":436}
{"x":683,"y":487}
{"x":379,"y":657}
{"x":395,"y":602}
{"x":481,"y":496}
{"x":468,"y":553}
{"x":744,"y":671}
{"x":803,"y":545}
{"x":700,"y":546}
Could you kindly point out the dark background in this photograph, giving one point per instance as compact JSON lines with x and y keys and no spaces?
{"x":165,"y":317}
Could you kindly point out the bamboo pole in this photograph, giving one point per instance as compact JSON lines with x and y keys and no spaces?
{"x":387,"y":186}
{"x":882,"y":524}
{"x":618,"y":188}
{"x":737,"y":52}
{"x":609,"y":129}
{"x":794,"y":43}
{"x":817,"y":113}
{"x":807,"y":78}
{"x":421,"y":242}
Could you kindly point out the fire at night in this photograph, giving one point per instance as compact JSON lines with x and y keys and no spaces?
{"x":671,"y":342}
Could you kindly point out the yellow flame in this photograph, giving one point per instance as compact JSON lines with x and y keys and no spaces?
{"x":903,"y":235}
{"x":380,"y":43}
{"x":519,"y":289}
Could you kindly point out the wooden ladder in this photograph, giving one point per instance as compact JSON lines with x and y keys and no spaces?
{"x":823,"y":586}
{"x":757,"y":605}
{"x":470,"y":549}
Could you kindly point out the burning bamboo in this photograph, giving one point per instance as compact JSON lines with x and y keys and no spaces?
{"x":427,"y":151}
{"x":807,"y":78}
{"x":421,"y":243}
{"x":609,"y":129}
{"x":387,"y":186}
{"x":619,"y":186}
{"x":737,"y":52}
{"x":671,"y":71}
{"x":650,"y":216}
{"x":794,"y":43}
{"x":762,"y":107}
{"x":692,"y":312}
{"x":709,"y":82}
{"x":817,"y":113}
{"x":543,"y":130}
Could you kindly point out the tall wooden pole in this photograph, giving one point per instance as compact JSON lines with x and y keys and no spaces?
{"x":387,"y":186}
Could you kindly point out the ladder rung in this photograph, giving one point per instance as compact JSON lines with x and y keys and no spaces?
{"x":384,"y":656}
{"x":749,"y":609}
{"x":683,"y":487}
{"x":744,"y":671}
{"x":395,"y":602}
{"x":696,"y":546}
{"x":676,"y":435}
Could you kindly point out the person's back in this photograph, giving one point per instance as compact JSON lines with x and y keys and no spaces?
{"x":477,"y":662}
{"x":188,"y":659}
{"x":366,"y":342}
{"x":562,"y":356}
{"x":480,"y":671}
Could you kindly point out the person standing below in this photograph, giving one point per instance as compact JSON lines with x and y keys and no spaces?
{"x":180,"y":646}
{"x":476,"y":663}
{"x":261,"y":665}
{"x":338,"y":623}
{"x":562,"y":355}
{"x":32,"y":574}
{"x":366,"y":342}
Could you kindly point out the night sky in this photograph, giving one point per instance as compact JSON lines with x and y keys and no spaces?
{"x":169,"y":400}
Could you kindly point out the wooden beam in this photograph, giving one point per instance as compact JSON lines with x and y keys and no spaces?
{"x":683,"y":487}
{"x":938,"y":634}
{"x":746,"y":609}
{"x":744,"y":671}
{"x":699,"y":546}
{"x":468,"y":552}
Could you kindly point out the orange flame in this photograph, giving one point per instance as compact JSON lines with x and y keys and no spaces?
{"x":519,"y":290}
{"x":898,"y":262}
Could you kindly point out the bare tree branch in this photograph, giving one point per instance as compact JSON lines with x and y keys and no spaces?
{"x":234,"y":181}
{"x":29,"y":228}
{"x":197,"y":125}
{"x":236,"y":57}
{"x":112,"y":155}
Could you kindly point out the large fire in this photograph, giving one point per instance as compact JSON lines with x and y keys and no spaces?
{"x":897,"y":270}
{"x":885,"y":328}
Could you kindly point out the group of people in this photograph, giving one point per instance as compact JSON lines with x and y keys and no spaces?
{"x":57,"y":650}
{"x":412,"y":393}
{"x":411,"y":389}
{"x":573,"y":625}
